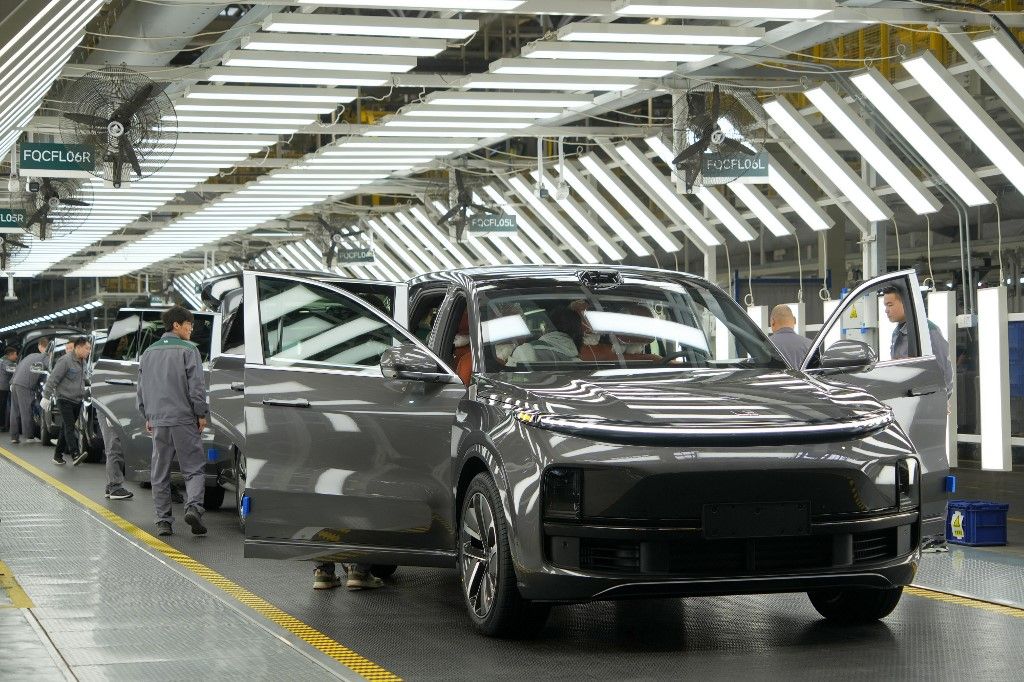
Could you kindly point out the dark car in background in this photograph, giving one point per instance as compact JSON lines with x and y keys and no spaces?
{"x":568,"y":434}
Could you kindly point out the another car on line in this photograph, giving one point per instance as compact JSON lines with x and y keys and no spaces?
{"x":565,"y":434}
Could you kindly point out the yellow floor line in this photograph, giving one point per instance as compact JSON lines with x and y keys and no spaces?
{"x":308,"y":634}
{"x":947,"y":598}
{"x":19,"y":600}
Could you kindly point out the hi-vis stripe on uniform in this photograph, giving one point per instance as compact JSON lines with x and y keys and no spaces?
{"x":318,"y":640}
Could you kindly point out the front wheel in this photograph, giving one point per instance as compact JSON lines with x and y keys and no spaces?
{"x":855,"y":605}
{"x":485,"y":565}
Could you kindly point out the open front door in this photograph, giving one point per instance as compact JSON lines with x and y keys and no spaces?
{"x":908,"y":379}
{"x":342,"y":463}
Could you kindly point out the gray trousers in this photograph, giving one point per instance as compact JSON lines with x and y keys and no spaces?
{"x":186,"y":444}
{"x":114,"y":453}
{"x":21,"y":412}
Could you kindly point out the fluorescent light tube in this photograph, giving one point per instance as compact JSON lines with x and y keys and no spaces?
{"x":501,"y":99}
{"x":317,"y":62}
{"x":826,"y":158}
{"x":572,"y":208}
{"x":778,"y":10}
{"x":547,"y":49}
{"x":1004,"y":56}
{"x":553,"y":221}
{"x":958,"y":104}
{"x":506,"y":81}
{"x":387,"y":27}
{"x":271,"y":94}
{"x":435,"y":6}
{"x":647,"y":34}
{"x":430,"y":111}
{"x":254,"y":74}
{"x":765,"y":211}
{"x":423,"y":143}
{"x":301,"y":42}
{"x":382,"y":131}
{"x":440,"y":236}
{"x":913,"y":127}
{"x":682,"y":208}
{"x":270,"y":119}
{"x":604,"y":210}
{"x":726,"y":214}
{"x":441,"y":253}
{"x":465,"y":123}
{"x":581,"y":67}
{"x":875,"y":152}
{"x":240,"y":107}
{"x":527,"y":227}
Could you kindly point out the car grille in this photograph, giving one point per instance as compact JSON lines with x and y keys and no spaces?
{"x":727,"y":557}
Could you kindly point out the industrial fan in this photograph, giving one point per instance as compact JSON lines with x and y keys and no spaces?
{"x":54,"y":206}
{"x":125,"y":117}
{"x":457,"y":216}
{"x":331,"y":240}
{"x":716,"y":123}
{"x":12,"y":250}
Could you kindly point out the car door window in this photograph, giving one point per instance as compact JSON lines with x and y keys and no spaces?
{"x":301,"y":322}
{"x":234,"y":324}
{"x":121,"y":343}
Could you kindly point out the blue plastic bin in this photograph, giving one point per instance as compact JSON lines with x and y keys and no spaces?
{"x":976,"y":522}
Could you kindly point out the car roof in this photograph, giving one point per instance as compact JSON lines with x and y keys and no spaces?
{"x":487,"y":274}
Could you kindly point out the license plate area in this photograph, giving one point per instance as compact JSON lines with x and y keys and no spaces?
{"x":756,"y":520}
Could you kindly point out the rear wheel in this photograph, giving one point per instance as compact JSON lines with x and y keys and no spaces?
{"x":240,"y":477}
{"x":855,"y":605}
{"x":485,"y":564}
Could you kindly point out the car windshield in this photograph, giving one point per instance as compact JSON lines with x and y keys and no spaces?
{"x":625,"y":322}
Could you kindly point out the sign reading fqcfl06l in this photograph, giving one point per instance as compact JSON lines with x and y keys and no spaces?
{"x":728,"y":167}
{"x":53,"y":160}
{"x":490,"y":224}
{"x":11,"y":220}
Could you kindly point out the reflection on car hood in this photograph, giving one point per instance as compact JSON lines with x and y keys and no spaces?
{"x":710,"y":405}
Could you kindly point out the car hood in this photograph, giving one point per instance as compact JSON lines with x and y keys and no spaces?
{"x":710,"y":406}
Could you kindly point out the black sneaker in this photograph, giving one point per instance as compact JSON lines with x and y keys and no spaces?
{"x":15,"y":441}
{"x":163,"y":528}
{"x":195,"y":521}
{"x":58,"y":459}
{"x":78,"y":458}
{"x":118,"y":493}
{"x":176,"y":496}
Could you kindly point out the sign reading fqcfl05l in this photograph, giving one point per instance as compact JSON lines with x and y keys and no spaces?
{"x":724,"y":168}
{"x":53,"y":160}
{"x":347,"y":256}
{"x":11,"y":220}
{"x":491,"y":224}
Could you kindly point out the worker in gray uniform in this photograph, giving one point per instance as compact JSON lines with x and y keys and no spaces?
{"x":115,"y":460}
{"x":23,"y":385}
{"x":7,"y":367}
{"x":892,"y":299}
{"x":172,"y":398}
{"x":793,"y":346}
{"x":66,"y":383}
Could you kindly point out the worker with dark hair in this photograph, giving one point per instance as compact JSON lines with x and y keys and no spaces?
{"x":560,"y":344}
{"x":23,"y":385}
{"x":900,"y":346}
{"x":172,"y":397}
{"x":66,"y":384}
{"x":7,"y":367}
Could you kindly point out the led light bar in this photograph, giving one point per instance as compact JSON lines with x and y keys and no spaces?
{"x":1004,"y":56}
{"x":302,"y":42}
{"x":618,"y":52}
{"x":442,"y":147}
{"x":913,"y":127}
{"x":726,"y":214}
{"x":501,"y":99}
{"x":777,"y":10}
{"x":414,"y":229}
{"x":220,"y":105}
{"x":430,"y":111}
{"x":579,"y":216}
{"x":527,"y":227}
{"x":435,"y":6}
{"x":969,"y":115}
{"x":597,"y":203}
{"x":360,"y":25}
{"x":556,"y":224}
{"x":826,"y":158}
{"x":647,"y":34}
{"x":758,"y":203}
{"x":255,"y":74}
{"x":419,"y":132}
{"x":506,"y":81}
{"x":466,"y":123}
{"x":294,"y":95}
{"x":606,"y":68}
{"x":319,"y":62}
{"x":878,"y":155}
{"x":440,"y":236}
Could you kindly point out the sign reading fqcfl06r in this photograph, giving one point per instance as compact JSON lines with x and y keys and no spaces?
{"x":354,"y":256}
{"x":51,"y":156}
{"x":489,"y":224}
{"x":727,"y":167}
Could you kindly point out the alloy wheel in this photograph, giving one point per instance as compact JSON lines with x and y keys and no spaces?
{"x":479,"y":555}
{"x":240,"y":478}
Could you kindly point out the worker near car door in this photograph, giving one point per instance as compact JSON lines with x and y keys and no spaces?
{"x":7,"y":367}
{"x":171,"y":396}
{"x":895,"y":310}
{"x":23,"y":387}
{"x":793,"y":346}
{"x":66,"y":384}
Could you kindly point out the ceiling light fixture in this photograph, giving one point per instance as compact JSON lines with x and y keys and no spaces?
{"x":547,"y":49}
{"x":301,"y":42}
{"x":648,"y":34}
{"x":360,"y":25}
{"x":761,"y":207}
{"x":502,"y":99}
{"x":508,"y":81}
{"x":778,"y":10}
{"x":603,"y":68}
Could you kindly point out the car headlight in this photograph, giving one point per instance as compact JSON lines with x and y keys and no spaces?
{"x":907,"y":483}
{"x":563,"y":493}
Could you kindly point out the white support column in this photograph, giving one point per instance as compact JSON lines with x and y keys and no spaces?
{"x":942,"y":312}
{"x":759,"y":314}
{"x":799,"y":312}
{"x":994,"y":379}
{"x":836,"y":332}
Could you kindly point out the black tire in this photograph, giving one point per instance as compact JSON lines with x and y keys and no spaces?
{"x":45,"y":430}
{"x":855,"y":605}
{"x":213,"y":498}
{"x":240,"y":478}
{"x":89,"y":442}
{"x":490,"y":570}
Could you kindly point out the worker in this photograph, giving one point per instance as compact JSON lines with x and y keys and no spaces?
{"x":66,"y":384}
{"x":793,"y":346}
{"x":115,"y":461}
{"x":892,"y":299}
{"x":359,"y":577}
{"x":23,"y":386}
{"x":171,"y":396}
{"x":7,"y":367}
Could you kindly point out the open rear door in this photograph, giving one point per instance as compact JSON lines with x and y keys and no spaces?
{"x":910,"y":380}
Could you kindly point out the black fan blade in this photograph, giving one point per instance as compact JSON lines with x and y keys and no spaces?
{"x":331,"y":253}
{"x":73,"y":202}
{"x":693,"y":151}
{"x":459,"y":182}
{"x":46,"y":189}
{"x":450,"y":214}
{"x":324,"y":224}
{"x":124,"y":146}
{"x":125,"y":112}
{"x":117,"y":166}
{"x":716,"y":103}
{"x":695,"y":106}
{"x":3,"y":259}
{"x":15,"y":242}
{"x":484,"y":209}
{"x":38,"y":217}
{"x":87,"y":119}
{"x":729,"y":144}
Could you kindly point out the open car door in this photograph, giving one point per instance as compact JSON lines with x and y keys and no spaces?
{"x":342,"y":462}
{"x":910,"y":380}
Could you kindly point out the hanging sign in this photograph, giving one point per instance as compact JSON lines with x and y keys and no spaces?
{"x":724,"y":168}
{"x":493,"y":224}
{"x":54,"y":160}
{"x":347,"y":256}
{"x":11,"y":220}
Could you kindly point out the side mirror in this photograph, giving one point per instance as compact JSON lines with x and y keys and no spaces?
{"x":847,"y":355}
{"x":412,"y":363}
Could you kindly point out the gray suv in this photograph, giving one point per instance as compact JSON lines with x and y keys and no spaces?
{"x":568,"y":434}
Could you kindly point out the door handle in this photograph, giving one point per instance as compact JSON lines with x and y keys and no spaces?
{"x":121,"y":382}
{"x":918,"y":392}
{"x":282,"y":402}
{"x":237,"y":386}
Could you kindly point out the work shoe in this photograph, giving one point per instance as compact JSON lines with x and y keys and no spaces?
{"x":15,"y":441}
{"x":358,"y":580}
{"x":33,"y":440}
{"x":195,"y":521}
{"x":58,"y":459}
{"x":118,"y":493}
{"x":176,"y":496}
{"x":322,"y":580}
{"x":78,"y":458}
{"x":163,"y":528}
